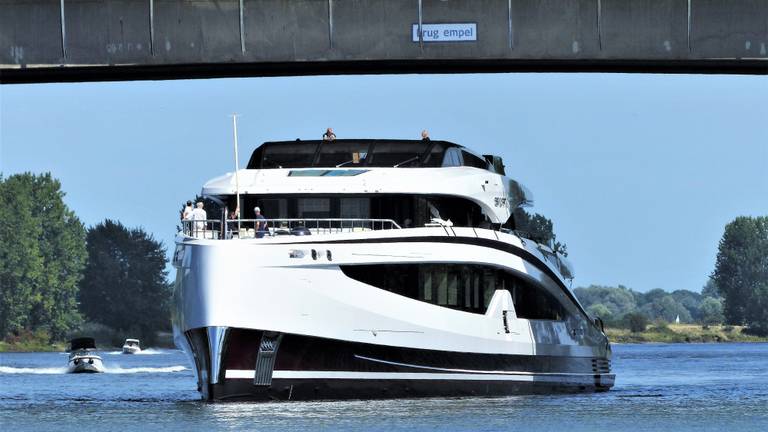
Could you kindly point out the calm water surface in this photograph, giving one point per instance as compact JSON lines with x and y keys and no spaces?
{"x":693,"y":387}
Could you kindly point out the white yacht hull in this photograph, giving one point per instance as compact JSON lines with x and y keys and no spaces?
{"x":276,"y":318}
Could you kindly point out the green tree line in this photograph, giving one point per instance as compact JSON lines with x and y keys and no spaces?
{"x":736,"y":293}
{"x":619,"y":306}
{"x":56,"y":274}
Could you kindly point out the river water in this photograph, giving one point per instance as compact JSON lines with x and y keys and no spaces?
{"x":676,"y":387}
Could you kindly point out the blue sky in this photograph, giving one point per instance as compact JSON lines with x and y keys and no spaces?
{"x":640,"y":173}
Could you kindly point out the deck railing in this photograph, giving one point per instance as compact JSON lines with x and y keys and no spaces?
{"x":260,"y":228}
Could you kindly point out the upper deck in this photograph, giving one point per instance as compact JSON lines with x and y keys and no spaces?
{"x":380,"y":153}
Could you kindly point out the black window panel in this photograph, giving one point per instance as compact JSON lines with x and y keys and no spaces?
{"x":473,"y":161}
{"x":402,"y":154}
{"x":288,"y":155}
{"x":326,"y":154}
{"x":348,"y":154}
{"x":433,"y":156}
{"x":466,"y":287}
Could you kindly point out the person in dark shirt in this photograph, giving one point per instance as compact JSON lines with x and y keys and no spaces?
{"x":329,"y":135}
{"x":425,"y":135}
{"x":261,"y":223}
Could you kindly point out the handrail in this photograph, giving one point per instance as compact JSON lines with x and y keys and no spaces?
{"x":260,"y":228}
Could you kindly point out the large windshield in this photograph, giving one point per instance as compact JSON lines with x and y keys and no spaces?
{"x":349,"y":153}
{"x":289,"y":155}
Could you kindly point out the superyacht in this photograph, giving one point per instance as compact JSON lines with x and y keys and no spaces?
{"x":376,"y":268}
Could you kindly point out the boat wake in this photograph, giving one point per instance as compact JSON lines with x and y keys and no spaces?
{"x":50,"y":370}
{"x":109,"y":370}
{"x":167,"y":369}
{"x":148,"y":351}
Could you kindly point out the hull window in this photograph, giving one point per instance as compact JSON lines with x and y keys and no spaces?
{"x":466,"y":287}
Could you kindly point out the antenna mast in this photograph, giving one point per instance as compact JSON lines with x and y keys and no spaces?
{"x":237,"y":175}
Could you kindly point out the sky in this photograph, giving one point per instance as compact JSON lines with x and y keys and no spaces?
{"x":640,"y":173}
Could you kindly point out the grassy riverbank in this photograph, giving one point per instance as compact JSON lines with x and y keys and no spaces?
{"x":105,"y":339}
{"x":31,"y":341}
{"x":672,"y":333}
{"x":676,"y":333}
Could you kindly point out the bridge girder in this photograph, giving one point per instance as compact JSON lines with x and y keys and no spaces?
{"x":96,"y":40}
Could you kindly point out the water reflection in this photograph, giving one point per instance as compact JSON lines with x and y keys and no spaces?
{"x":659,"y":387}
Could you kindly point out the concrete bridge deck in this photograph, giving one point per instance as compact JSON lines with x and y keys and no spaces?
{"x":91,"y":40}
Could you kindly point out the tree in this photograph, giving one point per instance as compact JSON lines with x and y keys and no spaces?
{"x":691,"y":301}
{"x":741,"y":273}
{"x":42,"y":254}
{"x":636,"y":321}
{"x":711,"y":311}
{"x":666,"y":308}
{"x":539,"y":229}
{"x":124,"y":285}
{"x":601,"y":311}
{"x":618,"y":300}
{"x":710,"y":290}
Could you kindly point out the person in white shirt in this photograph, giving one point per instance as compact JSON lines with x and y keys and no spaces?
{"x":199,"y":216}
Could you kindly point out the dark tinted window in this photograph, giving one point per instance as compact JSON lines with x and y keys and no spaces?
{"x":404,"y":154}
{"x":347,"y":154}
{"x":473,"y":161}
{"x":452,"y":158}
{"x":466,"y":287}
{"x":288,"y":155}
{"x":434,"y":155}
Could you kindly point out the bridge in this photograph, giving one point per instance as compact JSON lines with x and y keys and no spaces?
{"x":95,"y":40}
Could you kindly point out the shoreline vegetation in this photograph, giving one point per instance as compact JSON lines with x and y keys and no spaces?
{"x":658,"y":333}
{"x":682,"y":333}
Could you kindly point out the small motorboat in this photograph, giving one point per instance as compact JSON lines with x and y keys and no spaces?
{"x":131,"y":346}
{"x":82,"y":356}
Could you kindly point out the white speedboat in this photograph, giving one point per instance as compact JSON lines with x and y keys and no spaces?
{"x":131,"y":346}
{"x":83,"y":358}
{"x":411,"y":278}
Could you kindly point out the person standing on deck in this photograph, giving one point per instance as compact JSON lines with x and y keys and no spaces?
{"x":261,"y":223}
{"x":329,"y":135}
{"x":185,"y":214}
{"x":199,"y":216}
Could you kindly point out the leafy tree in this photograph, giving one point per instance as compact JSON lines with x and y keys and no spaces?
{"x":711,"y":311}
{"x":539,"y":229}
{"x":741,"y":272}
{"x":618,"y":300}
{"x":42,"y":254}
{"x":666,"y":308}
{"x":691,"y":301}
{"x":710,"y":290}
{"x":601,"y":311}
{"x":636,"y":321}
{"x":655,"y":294}
{"x":125,"y":286}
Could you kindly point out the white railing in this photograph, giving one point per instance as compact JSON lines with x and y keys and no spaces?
{"x":260,"y":228}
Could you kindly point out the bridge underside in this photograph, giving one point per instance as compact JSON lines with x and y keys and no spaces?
{"x":96,"y":40}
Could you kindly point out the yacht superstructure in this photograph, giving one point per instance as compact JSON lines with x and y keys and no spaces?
{"x":376,"y":269}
